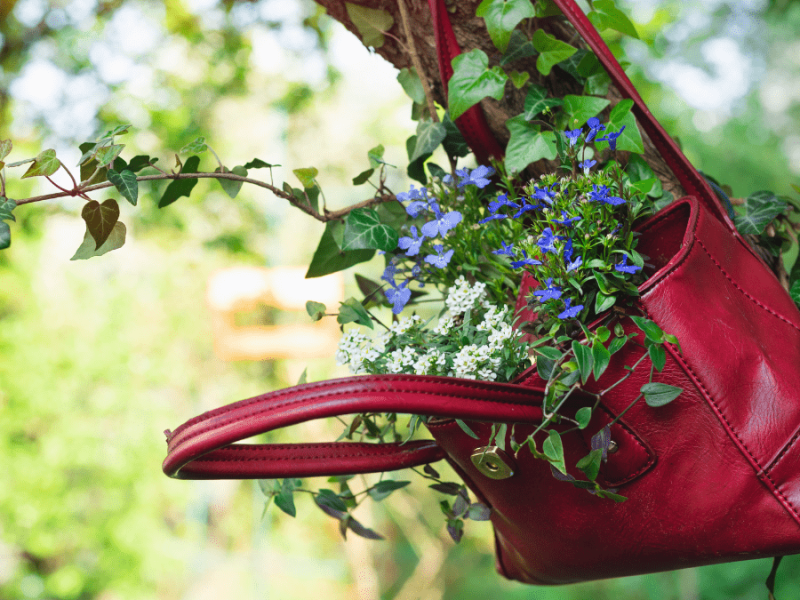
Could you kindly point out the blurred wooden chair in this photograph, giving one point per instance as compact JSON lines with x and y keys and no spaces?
{"x":243,"y":289}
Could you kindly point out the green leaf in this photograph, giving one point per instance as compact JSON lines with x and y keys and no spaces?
{"x":5,"y":148}
{"x":7,"y":206}
{"x":603,"y":302}
{"x":362,"y":531}
{"x":657,"y":356}
{"x":584,"y":358}
{"x":554,"y":451}
{"x":140,"y":162}
{"x":582,"y":108}
{"x":370,"y":23}
{"x":601,"y":357}
{"x":466,"y":429}
{"x":537,"y":101}
{"x":478,"y":512}
{"x":306,"y":176}
{"x":303,"y":377}
{"x":416,"y":168}
{"x":454,"y":144}
{"x":429,"y":136}
{"x":760,"y":208}
{"x":375,"y":156}
{"x":551,"y":51}
{"x":285,"y":498}
{"x":659,"y":394}
{"x":257,"y":163}
{"x":616,"y":344}
{"x":590,"y":464}
{"x":118,"y":130}
{"x":44,"y":165}
{"x":315,"y":310}
{"x":126,"y":184}
{"x":100,"y":219}
{"x":411,"y":84}
{"x":651,"y":330}
{"x":5,"y":235}
{"x":502,"y":17}
{"x":88,"y":248}
{"x":472,"y":81}
{"x":527,"y":145}
{"x":363,"y":230}
{"x":519,"y":46}
{"x":363,"y":177}
{"x":519,"y":79}
{"x":607,"y":16}
{"x":544,"y":367}
{"x":631,"y":139}
{"x":180,"y":187}
{"x":583,"y":416}
{"x":329,"y":258}
{"x":351,"y":310}
{"x":382,"y":489}
{"x":550,"y":352}
{"x":603,"y":333}
{"x":794,"y":292}
{"x":231,"y":186}
{"x":106,"y":155}
{"x":610,"y":496}
{"x":196,"y":147}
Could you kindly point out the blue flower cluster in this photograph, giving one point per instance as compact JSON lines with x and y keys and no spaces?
{"x":439,"y":224}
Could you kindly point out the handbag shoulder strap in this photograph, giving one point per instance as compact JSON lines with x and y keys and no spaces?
{"x":203,"y":448}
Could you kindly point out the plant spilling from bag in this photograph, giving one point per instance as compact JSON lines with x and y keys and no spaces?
{"x":463,"y":240}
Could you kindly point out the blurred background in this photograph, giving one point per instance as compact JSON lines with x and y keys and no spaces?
{"x":98,"y":357}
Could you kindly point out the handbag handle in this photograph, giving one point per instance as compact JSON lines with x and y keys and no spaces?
{"x":203,"y":448}
{"x":479,"y":137}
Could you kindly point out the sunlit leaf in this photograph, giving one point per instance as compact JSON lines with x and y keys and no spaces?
{"x":106,"y":155}
{"x":88,"y":248}
{"x":502,"y":17}
{"x":582,"y":108}
{"x":198,"y":146}
{"x":315,"y":310}
{"x":472,"y":81}
{"x":363,"y":230}
{"x":100,"y":219}
{"x":306,"y":176}
{"x":5,"y":235}
{"x":429,"y":136}
{"x":351,"y":310}
{"x":411,"y":84}
{"x":370,"y":23}
{"x":5,"y":148}
{"x":527,"y":144}
{"x":44,"y":165}
{"x":231,"y":186}
{"x":551,"y":51}
{"x":607,"y":16}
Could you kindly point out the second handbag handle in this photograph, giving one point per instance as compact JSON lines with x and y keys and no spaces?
{"x":203,"y":448}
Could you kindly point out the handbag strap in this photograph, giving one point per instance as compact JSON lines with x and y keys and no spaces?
{"x":203,"y":448}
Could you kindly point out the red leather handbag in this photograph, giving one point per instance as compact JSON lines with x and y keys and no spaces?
{"x":711,"y":477}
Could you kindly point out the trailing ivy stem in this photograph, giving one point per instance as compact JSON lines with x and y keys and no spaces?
{"x":636,"y":364}
{"x":412,"y":50}
{"x":549,"y":417}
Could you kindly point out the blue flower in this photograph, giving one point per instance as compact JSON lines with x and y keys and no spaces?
{"x":439,"y":260}
{"x":411,"y":244}
{"x":565,"y":221}
{"x":412,"y":194}
{"x":442,"y":223}
{"x":586,"y":165}
{"x":545,"y":194}
{"x":516,"y":264}
{"x":506,"y":250}
{"x":624,"y":267}
{"x":611,"y":138}
{"x":389,"y":273}
{"x":526,"y":206}
{"x":478,"y":177}
{"x":416,"y":207}
{"x":573,"y":266}
{"x":602,"y":195}
{"x":551,"y":292}
{"x":594,"y":127}
{"x":501,"y":201}
{"x":573,"y":135}
{"x":547,"y":242}
{"x":399,"y":296}
{"x":492,"y":218}
{"x":447,"y":179}
{"x":570,"y":312}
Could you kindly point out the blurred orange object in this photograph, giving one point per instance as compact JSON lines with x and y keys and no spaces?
{"x":241,"y":289}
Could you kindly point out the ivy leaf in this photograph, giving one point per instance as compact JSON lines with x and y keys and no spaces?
{"x":7,"y":206}
{"x":285,"y":498}
{"x":760,"y":208}
{"x":198,"y":146}
{"x":139,"y":162}
{"x":382,"y":489}
{"x":551,"y":51}
{"x":363,"y":177}
{"x":631,"y":139}
{"x":554,"y":451}
{"x":411,"y":84}
{"x":362,"y":531}
{"x":454,"y":144}
{"x":607,"y":16}
{"x":519,"y":79}
{"x":106,"y":155}
{"x":100,"y":219}
{"x":363,"y":230}
{"x":257,"y":163}
{"x":537,"y":101}
{"x":590,"y":464}
{"x":375,"y":156}
{"x":429,"y":136}
{"x":329,"y":258}
{"x":44,"y":165}
{"x":416,"y":168}
{"x":502,"y":17}
{"x":306,"y":176}
{"x":118,"y":130}
{"x":180,"y":187}
{"x":352,"y":311}
{"x":794,"y":290}
{"x":472,"y":81}
{"x":315,"y":310}
{"x":582,"y":108}
{"x":519,"y":46}
{"x":231,"y":186}
{"x":88,"y":248}
{"x":5,"y":235}
{"x":659,"y":394}
{"x":527,"y":144}
{"x":370,"y":22}
{"x":5,"y":148}
{"x":584,"y":358}
{"x":126,"y":184}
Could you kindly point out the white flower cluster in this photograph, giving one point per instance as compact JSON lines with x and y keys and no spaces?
{"x":408,"y":347}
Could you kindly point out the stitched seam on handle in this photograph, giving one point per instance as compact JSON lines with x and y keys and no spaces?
{"x":286,"y":458}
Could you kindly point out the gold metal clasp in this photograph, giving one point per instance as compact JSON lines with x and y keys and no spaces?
{"x":493,"y":462}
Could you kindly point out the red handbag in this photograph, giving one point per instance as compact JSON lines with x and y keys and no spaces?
{"x":711,"y":477}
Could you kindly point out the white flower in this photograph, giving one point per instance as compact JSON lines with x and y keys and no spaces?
{"x":462,"y":297}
